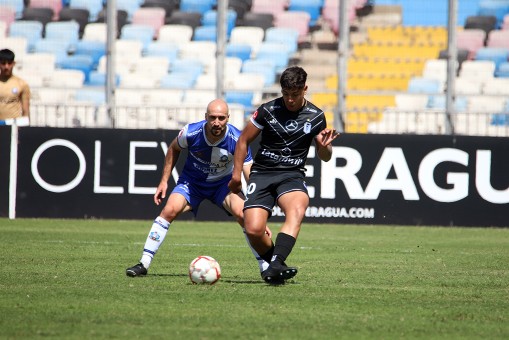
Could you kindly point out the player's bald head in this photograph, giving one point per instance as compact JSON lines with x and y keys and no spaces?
{"x":218,"y":106}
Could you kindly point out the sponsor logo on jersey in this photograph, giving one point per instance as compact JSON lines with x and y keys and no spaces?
{"x":273,"y":121}
{"x":255,"y":114}
{"x":291,"y":125}
{"x":307,"y":127}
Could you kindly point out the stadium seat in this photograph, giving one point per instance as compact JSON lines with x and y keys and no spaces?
{"x":94,"y":49}
{"x":121,"y":19}
{"x":8,"y":16}
{"x":168,"y":6}
{"x":16,"y":5}
{"x":496,"y":54}
{"x":163,"y":49}
{"x":486,"y":23}
{"x":498,"y":38}
{"x":203,"y":51}
{"x":438,"y":102}
{"x":266,"y":68}
{"x":241,"y":7}
{"x":65,"y":31}
{"x":130,"y":6}
{"x":175,"y":33}
{"x":424,"y":85}
{"x":177,"y":80}
{"x":42,"y":14}
{"x":486,"y":104}
{"x":312,"y":7}
{"x":297,"y":20}
{"x":497,"y":86}
{"x":496,"y":8}
{"x":278,"y":53}
{"x":205,"y":33}
{"x":283,"y":35}
{"x":199,"y":6}
{"x":479,"y":69}
{"x":469,"y":86}
{"x":61,"y":78}
{"x":210,"y":19}
{"x":193,"y":68}
{"x":142,"y":33}
{"x":57,"y":47}
{"x":82,"y":62}
{"x":93,"y":7}
{"x":37,"y":63}
{"x":96,"y":31}
{"x":192,"y":19}
{"x":80,"y":15}
{"x":242,"y":51}
{"x":273,"y":7}
{"x":435,"y":69}
{"x":471,"y":39}
{"x":262,"y":20}
{"x":249,"y":35}
{"x":31,"y":30}
{"x":98,"y":78}
{"x":411,"y":101}
{"x":55,"y":5}
{"x":502,"y":70}
{"x":157,"y":66}
{"x":150,"y":17}
{"x":18,"y":45}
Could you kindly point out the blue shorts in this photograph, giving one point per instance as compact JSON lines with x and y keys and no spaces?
{"x":195,"y":193}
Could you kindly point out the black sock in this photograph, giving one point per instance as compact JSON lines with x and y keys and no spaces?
{"x":283,"y":247}
{"x":268,"y":255}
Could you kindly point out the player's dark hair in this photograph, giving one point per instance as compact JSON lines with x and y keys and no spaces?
{"x":293,"y":77}
{"x":7,"y":54}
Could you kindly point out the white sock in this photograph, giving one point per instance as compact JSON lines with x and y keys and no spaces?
{"x":154,"y":240}
{"x":262,"y":264}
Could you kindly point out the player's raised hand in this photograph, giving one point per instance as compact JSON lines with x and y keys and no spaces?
{"x":327,"y":136}
{"x":160,"y":194}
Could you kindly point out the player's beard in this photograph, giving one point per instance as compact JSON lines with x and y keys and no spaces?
{"x":217,"y":131}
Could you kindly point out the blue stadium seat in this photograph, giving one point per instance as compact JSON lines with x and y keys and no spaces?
{"x":238,"y":97}
{"x":97,"y":78}
{"x":130,"y":6}
{"x":275,"y":52}
{"x":265,"y":67}
{"x":241,"y":51}
{"x":164,"y":49}
{"x":96,"y":96}
{"x":194,"y":68}
{"x":142,"y":33}
{"x":31,"y":30}
{"x":178,"y":80}
{"x":94,"y":49}
{"x":199,"y":6}
{"x":424,"y":85}
{"x":205,"y":33}
{"x":58,"y":47}
{"x":66,"y":31}
{"x":438,"y":102}
{"x":16,"y":5}
{"x":312,"y":7}
{"x":84,"y":63}
{"x":496,"y":54}
{"x":496,"y":8}
{"x":287,"y":36}
{"x":93,"y":7}
{"x":209,"y":18}
{"x":503,"y":70}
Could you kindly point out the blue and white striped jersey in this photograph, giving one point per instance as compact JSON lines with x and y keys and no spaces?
{"x":208,"y":162}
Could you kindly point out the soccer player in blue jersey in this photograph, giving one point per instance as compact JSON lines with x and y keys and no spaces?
{"x":209,"y":164}
{"x":288,"y":125}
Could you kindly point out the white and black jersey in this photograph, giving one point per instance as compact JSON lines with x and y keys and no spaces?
{"x":286,"y":136}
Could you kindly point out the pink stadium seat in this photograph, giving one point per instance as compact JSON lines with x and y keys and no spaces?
{"x":471,"y":39}
{"x":150,"y":16}
{"x":498,"y":38}
{"x":505,"y":23}
{"x":273,"y":7}
{"x":55,"y":5}
{"x":330,"y":13}
{"x":298,"y":20}
{"x":8,"y":16}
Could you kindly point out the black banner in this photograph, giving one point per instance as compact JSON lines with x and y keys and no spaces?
{"x":372,"y":179}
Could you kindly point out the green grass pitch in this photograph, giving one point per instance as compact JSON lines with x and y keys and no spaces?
{"x":65,"y":279}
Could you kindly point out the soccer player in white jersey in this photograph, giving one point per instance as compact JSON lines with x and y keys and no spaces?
{"x":208,"y":168}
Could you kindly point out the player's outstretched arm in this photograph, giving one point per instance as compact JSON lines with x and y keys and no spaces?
{"x":170,"y":160}
{"x":249,"y":133}
{"x":323,"y":143}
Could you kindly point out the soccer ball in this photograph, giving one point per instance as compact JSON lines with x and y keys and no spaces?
{"x":204,"y":269}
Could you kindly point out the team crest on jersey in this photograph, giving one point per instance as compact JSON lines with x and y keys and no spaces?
{"x":15,"y":90}
{"x":291,"y":125}
{"x":307,"y":127}
{"x":224,"y":158}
